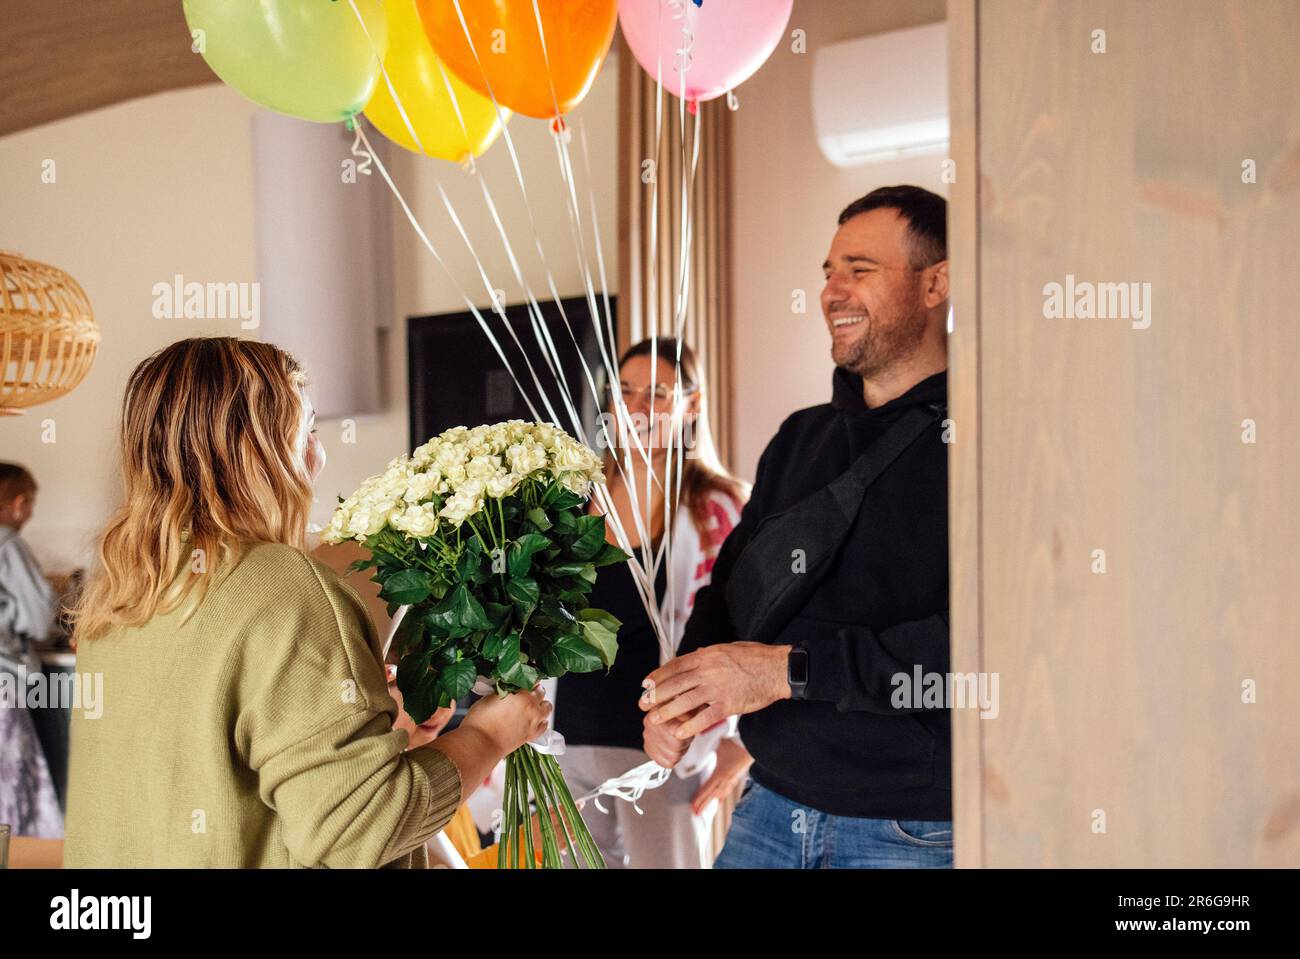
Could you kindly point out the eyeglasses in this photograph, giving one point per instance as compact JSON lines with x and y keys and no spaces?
{"x":660,"y":396}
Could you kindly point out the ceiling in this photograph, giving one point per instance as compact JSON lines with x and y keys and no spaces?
{"x":59,"y":58}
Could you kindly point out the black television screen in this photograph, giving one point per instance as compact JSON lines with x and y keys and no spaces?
{"x":456,"y":377}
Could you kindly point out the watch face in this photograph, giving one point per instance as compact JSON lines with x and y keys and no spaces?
{"x":797,"y":674}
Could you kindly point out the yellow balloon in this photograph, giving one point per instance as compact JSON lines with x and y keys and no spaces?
{"x":418,"y":77}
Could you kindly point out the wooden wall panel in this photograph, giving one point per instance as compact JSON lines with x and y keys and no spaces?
{"x":1121,"y":693}
{"x":963,"y":408}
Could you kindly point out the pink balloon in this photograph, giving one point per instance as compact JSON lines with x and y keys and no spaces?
{"x":711,"y":45}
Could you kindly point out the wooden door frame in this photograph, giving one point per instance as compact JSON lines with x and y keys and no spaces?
{"x":965,"y":525}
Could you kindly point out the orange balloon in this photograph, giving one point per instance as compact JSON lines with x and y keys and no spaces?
{"x":510,"y":53}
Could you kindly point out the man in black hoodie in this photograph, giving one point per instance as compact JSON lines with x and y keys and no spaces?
{"x":830,"y":598}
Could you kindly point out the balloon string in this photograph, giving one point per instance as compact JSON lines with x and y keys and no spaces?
{"x":540,"y":331}
{"x":652,"y":559}
{"x":611,"y":365}
{"x":498,"y":307}
{"x":392,"y":91}
{"x":433,"y":251}
{"x":364,"y":157}
{"x":632,"y":785}
{"x":557,"y":367}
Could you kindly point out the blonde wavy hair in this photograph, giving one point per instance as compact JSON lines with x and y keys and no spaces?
{"x":212,"y":463}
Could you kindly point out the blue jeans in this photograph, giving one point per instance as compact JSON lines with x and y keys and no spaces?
{"x":769,"y":831}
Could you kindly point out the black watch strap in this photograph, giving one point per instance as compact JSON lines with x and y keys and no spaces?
{"x":796,"y":672}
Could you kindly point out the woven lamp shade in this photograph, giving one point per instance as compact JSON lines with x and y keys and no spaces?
{"x":48,"y":333}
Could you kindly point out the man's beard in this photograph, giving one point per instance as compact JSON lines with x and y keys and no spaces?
{"x":880,"y":347}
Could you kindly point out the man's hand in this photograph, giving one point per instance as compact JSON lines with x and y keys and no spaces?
{"x":661,"y":743}
{"x":705,"y":687}
{"x":733,"y":765}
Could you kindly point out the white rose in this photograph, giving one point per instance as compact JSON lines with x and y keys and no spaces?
{"x":448,"y":457}
{"x":483,"y":467}
{"x":336,"y":531}
{"x":366,"y":522}
{"x":576,"y":483}
{"x":503,"y":484}
{"x":419,"y":521}
{"x":526,"y":458}
{"x":461,"y":506}
{"x":573,"y":457}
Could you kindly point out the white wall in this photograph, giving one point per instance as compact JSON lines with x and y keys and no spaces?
{"x":163,"y":185}
{"x":787,"y":197}
{"x":142,"y":191}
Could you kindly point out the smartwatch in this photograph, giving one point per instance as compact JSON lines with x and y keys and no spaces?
{"x":796,"y":672}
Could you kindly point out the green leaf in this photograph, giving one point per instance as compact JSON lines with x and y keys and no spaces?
{"x":469,"y":612}
{"x":591,"y":537}
{"x":443,"y":619}
{"x":576,"y":656}
{"x":610,"y":554}
{"x":555,"y":613}
{"x":361,"y":564}
{"x":562,"y":499}
{"x":600,"y":630}
{"x":522,"y":550}
{"x":500,"y":648}
{"x":538,"y":518}
{"x":519,"y":675}
{"x":416,"y":683}
{"x":497,"y":613}
{"x":468,"y":563}
{"x":407,"y":587}
{"x":409,"y":634}
{"x":551,"y":664}
{"x":455,"y":681}
{"x":525,"y":593}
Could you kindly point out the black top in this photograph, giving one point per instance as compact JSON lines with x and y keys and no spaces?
{"x":880,"y":611}
{"x":600,"y":709}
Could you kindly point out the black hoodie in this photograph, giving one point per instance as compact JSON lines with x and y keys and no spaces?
{"x":881,"y":610}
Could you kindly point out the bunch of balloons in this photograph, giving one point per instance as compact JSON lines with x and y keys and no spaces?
{"x":458,"y":68}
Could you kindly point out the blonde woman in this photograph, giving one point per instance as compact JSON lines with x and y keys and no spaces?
{"x":245,"y":719}
{"x":597,"y":712}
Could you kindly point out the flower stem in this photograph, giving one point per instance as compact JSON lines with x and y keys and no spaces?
{"x":587,"y":844}
{"x":550,"y":849}
{"x":528,"y":770}
{"x":554,"y":812}
{"x":524,"y":815}
{"x":503,"y":837}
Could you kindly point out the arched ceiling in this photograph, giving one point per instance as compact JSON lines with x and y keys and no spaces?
{"x":59,"y":58}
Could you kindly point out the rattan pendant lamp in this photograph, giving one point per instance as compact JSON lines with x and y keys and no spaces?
{"x":48,"y":333}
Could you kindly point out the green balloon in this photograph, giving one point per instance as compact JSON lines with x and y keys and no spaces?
{"x":308,"y":58}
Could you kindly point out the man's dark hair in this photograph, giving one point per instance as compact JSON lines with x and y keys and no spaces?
{"x":926,"y":214}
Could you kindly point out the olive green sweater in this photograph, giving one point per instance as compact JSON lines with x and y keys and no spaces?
{"x":259,"y":732}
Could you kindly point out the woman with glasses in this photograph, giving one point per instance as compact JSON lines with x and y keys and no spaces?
{"x":597,"y":712}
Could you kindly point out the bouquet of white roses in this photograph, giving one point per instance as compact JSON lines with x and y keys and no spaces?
{"x":482,"y":534}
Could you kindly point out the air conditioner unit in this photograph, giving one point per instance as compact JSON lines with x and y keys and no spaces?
{"x":883,"y":96}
